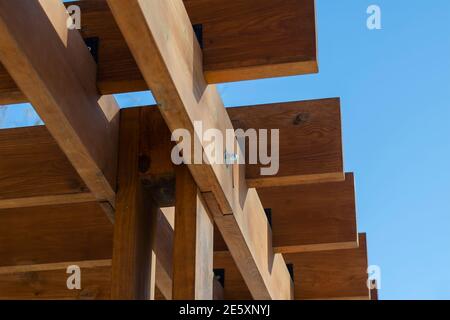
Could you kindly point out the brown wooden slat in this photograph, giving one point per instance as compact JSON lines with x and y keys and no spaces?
{"x":312,"y":217}
{"x":193,"y":242}
{"x":133,"y":265}
{"x":252,"y":39}
{"x":374,"y":290}
{"x":83,"y":123}
{"x":310,"y":140}
{"x":53,"y":234}
{"x":9,"y":91}
{"x":170,"y":59}
{"x":331,"y":274}
{"x":32,"y":165}
{"x":51,"y":285}
{"x":243,"y":39}
{"x":337,"y":274}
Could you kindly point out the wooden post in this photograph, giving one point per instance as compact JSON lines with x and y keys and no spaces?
{"x":193,"y":242}
{"x":133,"y":264}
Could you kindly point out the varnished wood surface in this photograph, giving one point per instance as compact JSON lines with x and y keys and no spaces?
{"x":193,"y":242}
{"x":310,"y":217}
{"x":33,"y":165}
{"x":313,"y":217}
{"x":52,"y":234}
{"x":84,"y":124}
{"x":310,"y":140}
{"x":51,"y":285}
{"x":172,"y":67}
{"x":251,"y":39}
{"x":133,"y":265}
{"x":243,"y":39}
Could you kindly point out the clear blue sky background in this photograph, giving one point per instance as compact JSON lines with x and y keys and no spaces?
{"x":395,"y":91}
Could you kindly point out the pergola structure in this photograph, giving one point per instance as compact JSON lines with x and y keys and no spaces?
{"x":96,"y":187}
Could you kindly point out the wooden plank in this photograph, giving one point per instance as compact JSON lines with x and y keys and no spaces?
{"x":334,"y":275}
{"x":193,"y":242}
{"x":51,"y":285}
{"x":310,"y":141}
{"x":164,"y":46}
{"x":252,"y":39}
{"x":310,"y":148}
{"x":313,"y":217}
{"x":66,"y":98}
{"x":46,"y":200}
{"x":70,"y":235}
{"x":234,"y":286}
{"x":374,"y":291}
{"x":338,"y":274}
{"x":242,"y":40}
{"x":53,"y":234}
{"x":133,"y":265}
{"x":32,"y":165}
{"x":306,"y":149}
{"x":164,"y":252}
{"x":248,"y":236}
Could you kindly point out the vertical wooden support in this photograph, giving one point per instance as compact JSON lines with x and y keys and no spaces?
{"x":133,"y":265}
{"x":193,"y":242}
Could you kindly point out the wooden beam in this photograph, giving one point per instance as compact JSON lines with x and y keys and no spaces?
{"x":310,"y":151}
{"x":337,"y":274}
{"x":374,"y":290}
{"x":164,"y":252}
{"x":51,"y":284}
{"x":164,"y":46}
{"x":82,"y":122}
{"x":193,"y":242}
{"x":333,"y":275}
{"x":133,"y":265}
{"x":253,"y":39}
{"x":70,"y":234}
{"x":313,"y":217}
{"x":34,"y":170}
{"x":54,"y":234}
{"x":310,"y":141}
{"x":242,"y":40}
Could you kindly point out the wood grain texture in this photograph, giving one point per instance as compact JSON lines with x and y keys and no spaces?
{"x":338,"y":274}
{"x":133,"y":264}
{"x":310,"y":140}
{"x":83,"y":124}
{"x":252,"y":39}
{"x":374,"y":291}
{"x":243,"y":40}
{"x":9,"y":91}
{"x":53,"y":234}
{"x":68,"y":235}
{"x":166,"y":51}
{"x":327,"y":275}
{"x":312,"y":217}
{"x":193,"y":242}
{"x":33,"y":165}
{"x":51,"y":285}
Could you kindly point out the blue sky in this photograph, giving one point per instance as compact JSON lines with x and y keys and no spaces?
{"x":394,"y":86}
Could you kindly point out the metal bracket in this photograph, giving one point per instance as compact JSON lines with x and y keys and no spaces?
{"x":219,"y":274}
{"x":268,"y":212}
{"x":93,"y":45}
{"x":290,"y":268}
{"x":198,"y":30}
